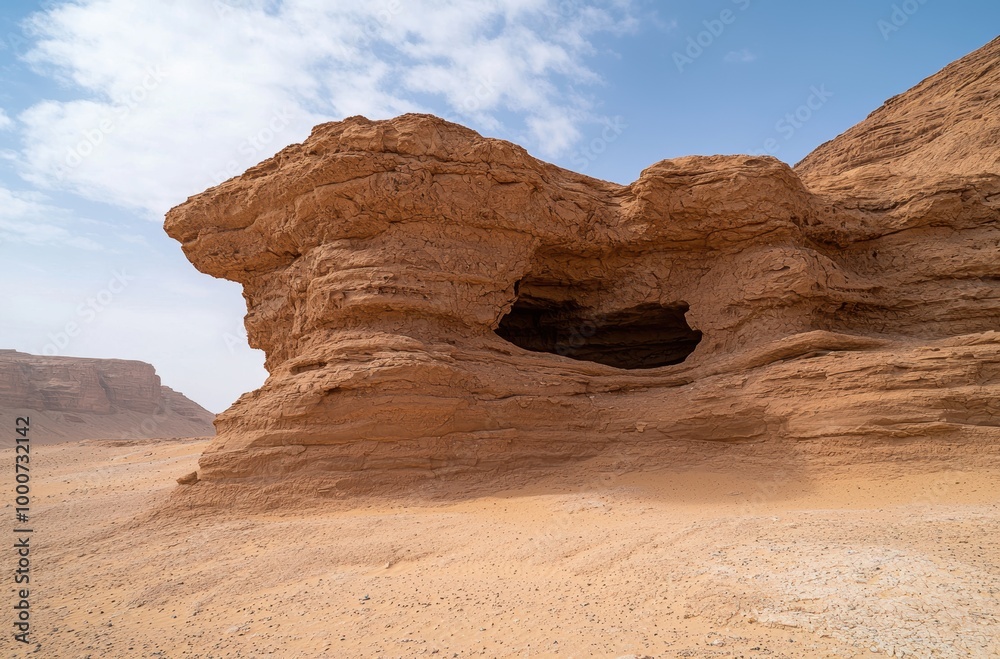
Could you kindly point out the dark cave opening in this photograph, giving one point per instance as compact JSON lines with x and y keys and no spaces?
{"x":645,"y":336}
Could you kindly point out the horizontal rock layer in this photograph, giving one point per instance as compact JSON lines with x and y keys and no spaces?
{"x":434,"y":302}
{"x":70,"y":398}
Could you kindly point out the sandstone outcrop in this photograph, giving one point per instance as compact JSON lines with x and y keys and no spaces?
{"x":70,"y":398}
{"x":433,"y":303}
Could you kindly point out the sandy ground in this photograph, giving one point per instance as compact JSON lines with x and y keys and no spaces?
{"x":685,"y":563}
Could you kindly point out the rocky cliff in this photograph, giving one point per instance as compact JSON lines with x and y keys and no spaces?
{"x":70,"y":398}
{"x":433,"y":303}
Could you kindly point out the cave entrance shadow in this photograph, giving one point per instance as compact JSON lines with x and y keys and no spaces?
{"x":644,"y":336}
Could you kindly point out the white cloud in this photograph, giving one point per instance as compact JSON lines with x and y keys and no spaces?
{"x":663,"y":24}
{"x":5,"y":121}
{"x":177,"y":96}
{"x":27,"y":217}
{"x":743,"y":55}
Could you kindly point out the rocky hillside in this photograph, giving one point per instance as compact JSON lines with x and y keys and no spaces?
{"x":436,"y":305}
{"x":943,"y":131}
{"x":69,"y":398}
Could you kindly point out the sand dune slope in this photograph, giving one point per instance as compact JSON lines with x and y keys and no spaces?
{"x":718,"y":561}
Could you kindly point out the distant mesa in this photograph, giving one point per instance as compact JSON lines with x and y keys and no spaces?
{"x":72,"y":398}
{"x":437,"y":305}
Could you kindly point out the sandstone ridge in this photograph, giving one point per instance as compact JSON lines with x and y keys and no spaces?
{"x":436,"y":304}
{"x":71,"y":398}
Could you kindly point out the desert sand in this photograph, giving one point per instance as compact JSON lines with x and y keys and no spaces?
{"x":737,"y":557}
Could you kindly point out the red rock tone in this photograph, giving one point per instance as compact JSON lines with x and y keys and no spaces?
{"x":433,"y":303}
{"x":70,"y":398}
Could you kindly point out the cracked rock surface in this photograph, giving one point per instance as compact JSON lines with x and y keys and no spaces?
{"x":436,"y":305}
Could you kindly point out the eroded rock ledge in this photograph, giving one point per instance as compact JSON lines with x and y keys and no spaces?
{"x":432,"y":302}
{"x":74,"y":398}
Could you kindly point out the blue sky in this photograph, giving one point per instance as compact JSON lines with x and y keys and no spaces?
{"x":113,"y":111}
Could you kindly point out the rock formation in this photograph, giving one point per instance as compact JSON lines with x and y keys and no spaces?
{"x":434,"y":303}
{"x":69,"y":398}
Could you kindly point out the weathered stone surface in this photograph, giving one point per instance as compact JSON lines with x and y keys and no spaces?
{"x":395,"y":272}
{"x":188,"y":479}
{"x":943,"y":131}
{"x":75,"y":398}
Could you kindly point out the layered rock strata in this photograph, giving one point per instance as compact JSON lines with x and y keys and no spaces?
{"x":432,"y":302}
{"x":69,"y":398}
